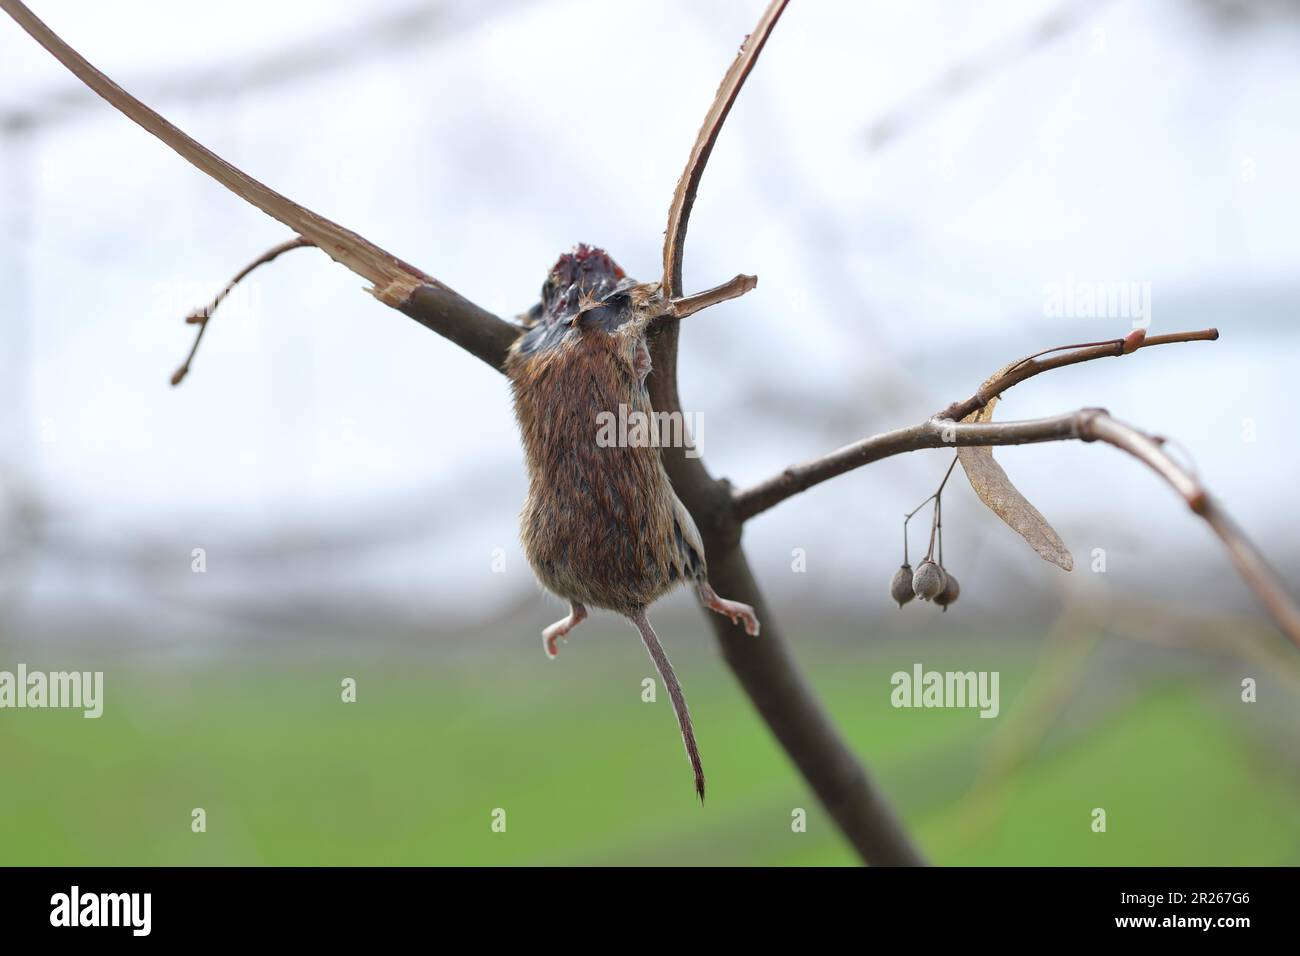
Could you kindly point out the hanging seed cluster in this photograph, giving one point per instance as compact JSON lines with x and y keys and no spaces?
{"x":931,"y":581}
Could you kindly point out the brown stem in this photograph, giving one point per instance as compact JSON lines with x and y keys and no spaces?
{"x":679,"y":213}
{"x":796,"y":478}
{"x":731,"y":289}
{"x":764,"y":667}
{"x":201,"y":316}
{"x":907,"y":518}
{"x":1029,"y":367}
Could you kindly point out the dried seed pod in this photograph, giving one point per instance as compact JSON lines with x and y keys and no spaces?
{"x":951,"y":591}
{"x":928,"y":581}
{"x":900,"y":589}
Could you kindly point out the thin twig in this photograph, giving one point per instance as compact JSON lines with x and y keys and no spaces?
{"x":731,"y":289}
{"x":797,"y":478}
{"x":679,"y":213}
{"x":931,"y":497}
{"x":1030,"y":366}
{"x":1129,"y":343}
{"x":200,"y":316}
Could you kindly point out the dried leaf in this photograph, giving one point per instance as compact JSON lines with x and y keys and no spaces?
{"x":995,"y":489}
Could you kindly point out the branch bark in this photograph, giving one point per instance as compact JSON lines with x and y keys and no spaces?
{"x":797,"y":478}
{"x":202,"y":316}
{"x":764,"y":667}
{"x":679,"y":213}
{"x":1026,"y":368}
{"x":932,"y":433}
{"x":1086,"y":425}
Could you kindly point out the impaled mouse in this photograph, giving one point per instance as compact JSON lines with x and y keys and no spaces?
{"x":602,"y":526}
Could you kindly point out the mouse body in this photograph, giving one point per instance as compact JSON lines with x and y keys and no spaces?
{"x":602,"y":526}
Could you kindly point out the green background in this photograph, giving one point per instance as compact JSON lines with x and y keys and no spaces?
{"x":444,"y":733}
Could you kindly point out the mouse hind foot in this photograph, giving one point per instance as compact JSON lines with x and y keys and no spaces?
{"x":739,"y":613}
{"x":561,"y":628}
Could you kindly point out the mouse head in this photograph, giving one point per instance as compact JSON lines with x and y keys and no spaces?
{"x":579,"y":278}
{"x":584,"y":290}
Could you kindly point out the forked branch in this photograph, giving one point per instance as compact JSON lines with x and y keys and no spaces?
{"x":1093,"y":424}
{"x":797,"y":478}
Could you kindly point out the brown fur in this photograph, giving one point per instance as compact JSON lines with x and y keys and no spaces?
{"x":601,"y":526}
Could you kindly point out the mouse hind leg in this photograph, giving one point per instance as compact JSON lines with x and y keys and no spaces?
{"x":561,"y":628}
{"x":739,"y":613}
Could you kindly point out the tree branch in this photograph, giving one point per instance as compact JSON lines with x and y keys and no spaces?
{"x":395,"y":283}
{"x":764,"y":667}
{"x":1091,"y":424}
{"x":1028,"y":367}
{"x":731,"y":289}
{"x":797,"y":478}
{"x":931,"y":433}
{"x":679,"y":213}
{"x":1250,"y":563}
{"x":201,"y":316}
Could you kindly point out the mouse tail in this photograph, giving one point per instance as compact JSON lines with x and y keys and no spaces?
{"x":669,"y":677}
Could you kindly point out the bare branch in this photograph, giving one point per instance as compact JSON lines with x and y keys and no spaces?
{"x":731,"y":289}
{"x":679,"y":213}
{"x":1250,"y":563}
{"x":1091,"y":424}
{"x":200,"y":316}
{"x":395,"y":283}
{"x":766,"y":669}
{"x":1028,"y":367}
{"x":797,"y":478}
{"x":932,"y":433}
